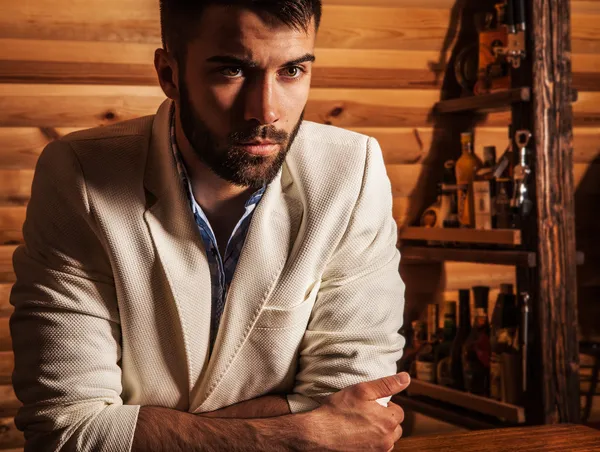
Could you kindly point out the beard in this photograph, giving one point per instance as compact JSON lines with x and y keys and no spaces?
{"x":231,"y":162}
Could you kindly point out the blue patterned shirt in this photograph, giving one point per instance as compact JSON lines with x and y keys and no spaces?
{"x":222,"y":268}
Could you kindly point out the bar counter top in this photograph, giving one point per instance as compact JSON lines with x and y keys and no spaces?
{"x":548,"y":438}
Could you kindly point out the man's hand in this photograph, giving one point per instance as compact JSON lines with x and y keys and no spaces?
{"x":351,"y":419}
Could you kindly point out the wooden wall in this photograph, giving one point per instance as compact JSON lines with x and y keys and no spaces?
{"x":77,"y":64}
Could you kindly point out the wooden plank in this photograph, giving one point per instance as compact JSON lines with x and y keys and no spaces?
{"x":7,"y":273}
{"x":557,"y":284}
{"x":5,"y":306}
{"x":15,"y":185}
{"x":94,"y":105}
{"x":507,"y":237}
{"x":547,"y":438}
{"x":5,"y":338}
{"x":9,"y":435}
{"x":11,"y":224}
{"x":9,"y":404}
{"x":396,"y":26}
{"x":501,"y":100}
{"x":421,"y":254}
{"x":484,"y":405}
{"x":7,"y":364}
{"x":20,"y":147}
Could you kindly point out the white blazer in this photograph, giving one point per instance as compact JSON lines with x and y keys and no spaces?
{"x":112,"y":299}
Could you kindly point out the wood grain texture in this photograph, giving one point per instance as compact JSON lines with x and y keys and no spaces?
{"x":9,"y":404}
{"x":557,"y":287}
{"x":11,"y":224}
{"x":5,"y":338}
{"x":553,"y":438}
{"x":7,"y":273}
{"x":9,"y":435}
{"x":7,"y":364}
{"x":5,"y":306}
{"x":21,"y":146}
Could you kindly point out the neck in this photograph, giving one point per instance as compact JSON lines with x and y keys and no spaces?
{"x":216,"y":196}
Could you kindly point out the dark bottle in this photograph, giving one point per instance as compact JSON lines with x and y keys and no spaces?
{"x":476,"y":349}
{"x":449,"y":189}
{"x":443,"y":353}
{"x":425,"y":361}
{"x":505,"y":361}
{"x":419,"y":337}
{"x":464,"y":329}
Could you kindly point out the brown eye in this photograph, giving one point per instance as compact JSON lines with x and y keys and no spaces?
{"x":292,"y":71}
{"x":231,"y":71}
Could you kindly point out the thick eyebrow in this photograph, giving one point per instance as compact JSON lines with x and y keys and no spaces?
{"x":246,"y":62}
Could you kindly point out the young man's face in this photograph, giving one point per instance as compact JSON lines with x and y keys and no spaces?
{"x":243,"y":92}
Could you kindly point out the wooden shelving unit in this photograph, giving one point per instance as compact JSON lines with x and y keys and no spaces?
{"x":486,"y":103}
{"x":484,"y":405}
{"x":424,"y":254}
{"x":502,"y":237}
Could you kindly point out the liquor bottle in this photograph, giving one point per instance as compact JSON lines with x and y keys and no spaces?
{"x":476,"y":349}
{"x":419,"y":337}
{"x":435,"y":215}
{"x":484,"y":190}
{"x":425,"y":361}
{"x":522,"y":203}
{"x":449,"y":189}
{"x":505,"y":361}
{"x":466,"y":167}
{"x":443,"y":353}
{"x":463,"y":332}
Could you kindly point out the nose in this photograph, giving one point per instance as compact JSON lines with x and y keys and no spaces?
{"x":262,"y":101}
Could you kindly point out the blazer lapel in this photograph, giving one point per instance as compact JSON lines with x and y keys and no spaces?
{"x":179,"y":246}
{"x":270,"y":240}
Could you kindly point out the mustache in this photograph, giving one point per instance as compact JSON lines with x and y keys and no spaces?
{"x":260,"y":133}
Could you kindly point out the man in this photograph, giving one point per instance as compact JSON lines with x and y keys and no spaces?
{"x":219,"y":276}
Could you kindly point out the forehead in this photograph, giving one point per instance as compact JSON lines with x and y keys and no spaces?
{"x":240,"y":32}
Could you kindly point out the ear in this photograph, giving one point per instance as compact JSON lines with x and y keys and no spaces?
{"x":168,"y":73}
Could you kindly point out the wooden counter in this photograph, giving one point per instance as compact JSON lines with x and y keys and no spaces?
{"x":548,"y":438}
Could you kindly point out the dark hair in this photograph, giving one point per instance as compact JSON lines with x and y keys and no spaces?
{"x":178,"y":17}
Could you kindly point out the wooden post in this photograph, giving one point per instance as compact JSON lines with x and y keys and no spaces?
{"x":557,"y":313}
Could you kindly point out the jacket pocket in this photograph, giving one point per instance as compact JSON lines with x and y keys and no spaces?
{"x":274,"y":317}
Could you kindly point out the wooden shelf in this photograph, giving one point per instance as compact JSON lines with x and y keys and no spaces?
{"x":448,"y":413}
{"x":499,"y":101}
{"x":504,"y":411}
{"x":504,"y":237}
{"x":423,"y":254}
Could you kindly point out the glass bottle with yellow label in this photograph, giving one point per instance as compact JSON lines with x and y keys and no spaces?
{"x":466,"y":168}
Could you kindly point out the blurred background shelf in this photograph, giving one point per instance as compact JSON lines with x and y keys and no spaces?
{"x":502,"y":237}
{"x":424,"y":254}
{"x":485,"y":103}
{"x":504,"y":412}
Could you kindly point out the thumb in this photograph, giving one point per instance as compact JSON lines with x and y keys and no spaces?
{"x":382,"y":387}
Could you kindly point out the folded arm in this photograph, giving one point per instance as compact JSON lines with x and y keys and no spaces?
{"x":352,"y":335}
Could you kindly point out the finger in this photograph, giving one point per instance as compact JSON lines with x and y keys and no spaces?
{"x":397,"y":412}
{"x":382,"y":387}
{"x":397,"y":433}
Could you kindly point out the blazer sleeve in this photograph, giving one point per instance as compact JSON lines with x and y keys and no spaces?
{"x":352,"y":335}
{"x":65,"y":327}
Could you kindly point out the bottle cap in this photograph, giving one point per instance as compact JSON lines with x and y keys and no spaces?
{"x":466,"y":137}
{"x":464,"y":295}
